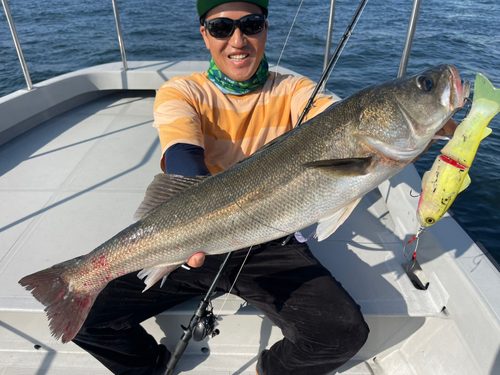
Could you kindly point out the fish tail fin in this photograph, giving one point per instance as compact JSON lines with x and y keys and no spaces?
{"x":484,"y":89}
{"x":66,"y":307}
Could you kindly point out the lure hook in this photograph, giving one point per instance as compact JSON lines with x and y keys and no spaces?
{"x":417,"y":238}
{"x":468,"y":104}
{"x":413,"y":196}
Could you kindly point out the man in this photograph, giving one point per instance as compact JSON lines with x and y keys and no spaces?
{"x":207,"y":123}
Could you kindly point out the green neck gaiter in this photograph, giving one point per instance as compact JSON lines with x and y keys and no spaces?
{"x":229,"y":86}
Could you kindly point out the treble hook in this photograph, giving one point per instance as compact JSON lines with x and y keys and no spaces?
{"x":468,"y":104}
{"x":415,"y":237}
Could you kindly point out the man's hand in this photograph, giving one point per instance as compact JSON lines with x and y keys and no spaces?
{"x":448,"y":129}
{"x":196,"y":260}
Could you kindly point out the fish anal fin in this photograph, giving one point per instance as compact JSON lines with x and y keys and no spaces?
{"x":163,"y":187}
{"x":331,"y":223}
{"x":466,"y":183}
{"x":342,"y":167}
{"x":156,"y":273}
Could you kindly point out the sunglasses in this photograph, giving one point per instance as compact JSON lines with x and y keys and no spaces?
{"x":224,"y":27}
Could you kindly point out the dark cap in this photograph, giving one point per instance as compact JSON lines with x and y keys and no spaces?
{"x":203,"y":6}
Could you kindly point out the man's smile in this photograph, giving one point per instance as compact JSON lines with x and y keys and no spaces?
{"x":239,"y":57}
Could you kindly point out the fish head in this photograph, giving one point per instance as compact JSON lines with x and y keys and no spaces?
{"x":428,"y":212}
{"x":398,"y":118}
{"x":440,"y":186}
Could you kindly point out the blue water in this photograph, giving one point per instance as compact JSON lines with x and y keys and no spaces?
{"x":60,"y":36}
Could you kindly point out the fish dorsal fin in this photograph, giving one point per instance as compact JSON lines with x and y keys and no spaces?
{"x":486,"y":133}
{"x":156,"y":273}
{"x":330,"y":224}
{"x":484,"y":90}
{"x":342,"y":167}
{"x":466,"y":183}
{"x":424,"y":179}
{"x":163,"y":187}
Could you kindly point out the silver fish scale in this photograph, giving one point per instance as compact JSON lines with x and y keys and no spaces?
{"x":271,"y":193}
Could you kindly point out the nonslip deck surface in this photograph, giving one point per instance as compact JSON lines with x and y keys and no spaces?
{"x":71,"y":183}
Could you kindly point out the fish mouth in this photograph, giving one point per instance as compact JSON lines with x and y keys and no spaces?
{"x":463,"y":88}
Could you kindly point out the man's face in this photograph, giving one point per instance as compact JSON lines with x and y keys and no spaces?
{"x":239,"y":55}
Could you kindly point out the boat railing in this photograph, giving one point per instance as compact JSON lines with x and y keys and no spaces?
{"x":412,"y":25}
{"x":402,"y":68}
{"x":17,"y":44}
{"x":120,"y":37}
{"x":20,"y":51}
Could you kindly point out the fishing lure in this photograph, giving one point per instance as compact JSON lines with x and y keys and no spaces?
{"x":449,"y":174}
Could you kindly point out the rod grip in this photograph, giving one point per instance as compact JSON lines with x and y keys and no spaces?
{"x":179,"y":351}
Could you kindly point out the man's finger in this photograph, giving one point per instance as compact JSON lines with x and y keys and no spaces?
{"x":196,"y":260}
{"x":448,"y":128}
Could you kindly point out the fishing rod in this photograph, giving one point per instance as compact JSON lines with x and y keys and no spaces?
{"x":328,"y":68}
{"x":333,"y":60}
{"x":202,"y":322}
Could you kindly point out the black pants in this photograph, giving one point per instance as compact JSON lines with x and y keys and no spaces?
{"x":322,"y":325}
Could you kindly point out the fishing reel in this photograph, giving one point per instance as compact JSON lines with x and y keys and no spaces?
{"x":205,"y":326}
{"x":202,"y":322}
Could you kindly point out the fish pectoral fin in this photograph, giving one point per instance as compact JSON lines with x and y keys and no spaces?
{"x":156,"y":273}
{"x":465,"y":184}
{"x":486,"y":132}
{"x":342,"y":167}
{"x":330,"y":224}
{"x":163,"y":187}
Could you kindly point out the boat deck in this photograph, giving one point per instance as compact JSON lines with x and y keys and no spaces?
{"x":76,"y":180}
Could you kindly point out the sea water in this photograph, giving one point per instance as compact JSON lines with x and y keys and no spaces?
{"x":59,"y":36}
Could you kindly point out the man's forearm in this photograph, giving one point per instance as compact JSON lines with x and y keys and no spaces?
{"x":186,"y":160}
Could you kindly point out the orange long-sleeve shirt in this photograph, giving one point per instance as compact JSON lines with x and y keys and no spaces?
{"x":229,"y":128}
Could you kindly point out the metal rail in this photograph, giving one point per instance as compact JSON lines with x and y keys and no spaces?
{"x":18,"y":46}
{"x":409,"y":38}
{"x":333,"y":60}
{"x":412,"y":25}
{"x":329,"y":35}
{"x":120,"y":37}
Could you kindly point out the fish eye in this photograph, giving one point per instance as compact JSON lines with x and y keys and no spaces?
{"x":424,"y":83}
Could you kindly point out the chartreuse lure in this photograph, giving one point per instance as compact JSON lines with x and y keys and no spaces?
{"x":449,"y":174}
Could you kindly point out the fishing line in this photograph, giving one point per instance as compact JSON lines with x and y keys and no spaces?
{"x":288,"y":36}
{"x":234,"y":282}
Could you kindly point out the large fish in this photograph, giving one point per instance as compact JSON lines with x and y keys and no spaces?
{"x":316,"y":173}
{"x":449,"y":174}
